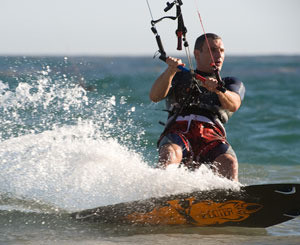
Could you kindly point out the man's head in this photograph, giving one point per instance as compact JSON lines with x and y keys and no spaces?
{"x":202,"y":54}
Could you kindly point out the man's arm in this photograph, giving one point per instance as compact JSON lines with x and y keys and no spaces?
{"x":162,"y":85}
{"x":229,"y":100}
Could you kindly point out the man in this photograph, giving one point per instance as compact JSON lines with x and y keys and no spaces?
{"x":196,"y":135}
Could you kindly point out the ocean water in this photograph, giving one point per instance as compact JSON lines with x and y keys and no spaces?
{"x":80,"y":132}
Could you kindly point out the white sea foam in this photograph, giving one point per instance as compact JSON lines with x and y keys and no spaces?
{"x":72,"y":170}
{"x":86,"y":163}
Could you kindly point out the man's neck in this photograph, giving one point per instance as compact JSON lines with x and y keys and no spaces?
{"x":205,"y":74}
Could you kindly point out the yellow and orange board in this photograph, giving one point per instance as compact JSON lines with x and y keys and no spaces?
{"x":201,"y":213}
{"x":252,"y":206}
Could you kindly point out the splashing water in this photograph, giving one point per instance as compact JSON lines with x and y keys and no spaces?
{"x":71,"y":170}
{"x":65,"y":148}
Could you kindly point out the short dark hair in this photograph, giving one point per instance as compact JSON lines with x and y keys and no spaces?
{"x":200,"y":40}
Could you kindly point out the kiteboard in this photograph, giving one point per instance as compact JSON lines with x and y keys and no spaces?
{"x":251,"y":206}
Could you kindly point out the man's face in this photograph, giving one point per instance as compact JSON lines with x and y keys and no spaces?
{"x":203,"y":57}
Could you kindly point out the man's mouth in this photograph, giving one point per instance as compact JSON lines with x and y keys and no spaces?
{"x":218,"y":63}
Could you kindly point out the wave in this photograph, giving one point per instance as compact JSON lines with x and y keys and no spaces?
{"x":69,"y":169}
{"x":64,"y":148}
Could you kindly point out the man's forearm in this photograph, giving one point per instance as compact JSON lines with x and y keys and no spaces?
{"x":229,"y":100}
{"x":162,"y":85}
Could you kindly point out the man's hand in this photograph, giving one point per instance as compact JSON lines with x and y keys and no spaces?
{"x":173,"y":63}
{"x":211,"y":85}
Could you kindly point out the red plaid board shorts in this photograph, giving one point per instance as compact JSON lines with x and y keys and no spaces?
{"x":201,"y":142}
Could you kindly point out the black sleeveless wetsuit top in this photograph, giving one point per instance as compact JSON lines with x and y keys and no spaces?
{"x":201,"y":102}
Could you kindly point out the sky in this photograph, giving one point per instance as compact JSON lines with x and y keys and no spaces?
{"x":122,"y":27}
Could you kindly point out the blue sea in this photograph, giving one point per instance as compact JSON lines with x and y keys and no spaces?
{"x":81,"y":132}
